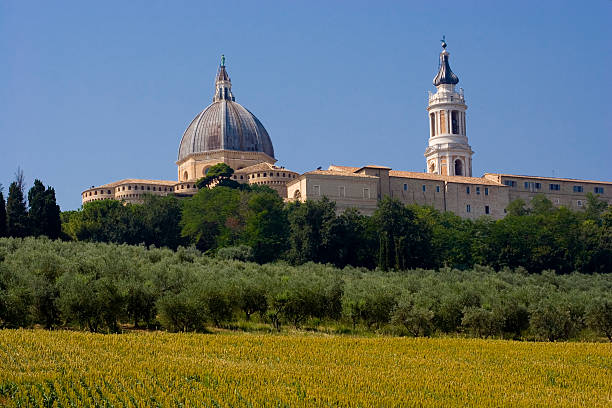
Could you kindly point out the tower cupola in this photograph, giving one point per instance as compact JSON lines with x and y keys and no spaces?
{"x":223,"y":84}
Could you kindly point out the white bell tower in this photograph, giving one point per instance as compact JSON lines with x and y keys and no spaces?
{"x":448,"y":151}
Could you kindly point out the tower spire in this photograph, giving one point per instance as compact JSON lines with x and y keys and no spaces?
{"x":445,"y":74}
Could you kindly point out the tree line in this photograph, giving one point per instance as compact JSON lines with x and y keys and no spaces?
{"x":109,"y":288}
{"x":536,"y":236}
{"x":254,"y":223}
{"x":39,"y":215}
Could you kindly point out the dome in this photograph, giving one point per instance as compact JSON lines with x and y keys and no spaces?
{"x":445,"y":75}
{"x":225,"y":125}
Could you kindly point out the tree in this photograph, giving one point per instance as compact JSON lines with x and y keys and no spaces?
{"x":218,"y":175}
{"x":517,"y":208}
{"x":16,"y":209}
{"x":599,"y":316}
{"x":211,"y":218}
{"x":2,"y":214}
{"x":44,"y":214}
{"x":266,"y":226}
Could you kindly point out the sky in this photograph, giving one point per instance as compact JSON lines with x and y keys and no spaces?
{"x":95,"y":92}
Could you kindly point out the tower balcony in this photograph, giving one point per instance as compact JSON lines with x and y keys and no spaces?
{"x":446,"y":97}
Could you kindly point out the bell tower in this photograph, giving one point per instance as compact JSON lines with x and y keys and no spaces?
{"x":448,"y":151}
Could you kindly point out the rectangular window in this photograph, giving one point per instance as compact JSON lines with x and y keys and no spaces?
{"x":468,"y":208}
{"x":487,"y":211}
{"x":433,"y":124}
{"x":455,"y":122}
{"x":316,"y":190}
{"x":579,"y":203}
{"x":510,"y":183}
{"x":526,"y":185}
{"x":538,"y":186}
{"x":341,"y":191}
{"x":486,"y":191}
{"x":599,"y":190}
{"x":467,"y":190}
{"x":577,"y":189}
{"x":477,"y":190}
{"x":366,"y":193}
{"x":555,"y":187}
{"x":405,"y":187}
{"x":437,"y":189}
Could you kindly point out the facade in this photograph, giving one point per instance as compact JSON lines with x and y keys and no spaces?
{"x":226,"y":132}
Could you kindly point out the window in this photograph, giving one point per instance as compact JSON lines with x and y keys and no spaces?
{"x":557,"y":201}
{"x":316,"y":190}
{"x":468,"y":208}
{"x":458,"y":168}
{"x":366,"y":193}
{"x":486,"y":191}
{"x":554,"y":187}
{"x":599,"y":190}
{"x":467,"y":190}
{"x":96,"y":192}
{"x":341,"y":191}
{"x":129,"y":187}
{"x":510,"y":183}
{"x":526,"y":185}
{"x":577,"y":189}
{"x":579,"y":203}
{"x":241,"y":177}
{"x":432,"y":117}
{"x":477,"y":190}
{"x":424,"y":188}
{"x":437,"y":189}
{"x":405,"y":187}
{"x":265,"y":175}
{"x":148,"y":187}
{"x":455,"y":122}
{"x":487,"y":211}
{"x":538,"y":186}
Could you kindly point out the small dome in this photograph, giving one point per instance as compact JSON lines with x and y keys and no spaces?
{"x":224,"y":125}
{"x":445,"y":75}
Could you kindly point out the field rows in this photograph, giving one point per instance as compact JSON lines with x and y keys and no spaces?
{"x":65,"y":369}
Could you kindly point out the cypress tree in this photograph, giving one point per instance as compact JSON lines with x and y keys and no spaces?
{"x":16,"y":211}
{"x":44,"y":214}
{"x":2,"y":216}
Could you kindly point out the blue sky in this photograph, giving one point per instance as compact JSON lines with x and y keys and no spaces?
{"x":93,"y":92}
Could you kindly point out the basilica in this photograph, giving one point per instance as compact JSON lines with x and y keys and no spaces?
{"x":226,"y":132}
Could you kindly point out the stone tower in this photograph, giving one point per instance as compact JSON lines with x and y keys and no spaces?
{"x":448,"y":151}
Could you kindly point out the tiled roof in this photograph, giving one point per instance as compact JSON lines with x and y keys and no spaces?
{"x":374,"y":167}
{"x":448,"y":179}
{"x":548,"y":178}
{"x":337,"y":173}
{"x":262,"y":167}
{"x":348,"y":169}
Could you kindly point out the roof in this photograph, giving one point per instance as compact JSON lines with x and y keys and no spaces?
{"x":334,"y":167}
{"x":337,"y":173}
{"x":445,"y":75}
{"x":224,"y":125}
{"x":263,"y":166}
{"x":135,"y":181}
{"x":548,"y":178}
{"x":448,"y":179}
{"x":374,"y":167}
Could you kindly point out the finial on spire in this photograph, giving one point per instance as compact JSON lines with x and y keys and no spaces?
{"x":443,"y":41}
{"x":222,"y":60}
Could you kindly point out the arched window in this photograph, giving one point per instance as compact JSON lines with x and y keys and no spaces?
{"x":297,"y":195}
{"x":432,"y":167}
{"x":455,"y":122}
{"x":432,"y":117}
{"x":185,"y":176}
{"x":458,"y":168}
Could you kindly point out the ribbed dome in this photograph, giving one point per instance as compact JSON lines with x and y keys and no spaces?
{"x":225,"y":125}
{"x":445,"y":75}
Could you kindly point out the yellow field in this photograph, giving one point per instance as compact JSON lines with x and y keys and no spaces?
{"x":64,"y":369}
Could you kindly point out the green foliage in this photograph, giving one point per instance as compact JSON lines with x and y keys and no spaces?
{"x":2,"y":214}
{"x":238,"y":253}
{"x":100,"y":287}
{"x":220,"y":175}
{"x":16,"y":211}
{"x":44,"y":214}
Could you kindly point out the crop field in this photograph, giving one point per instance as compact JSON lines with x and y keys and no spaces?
{"x":74,"y":369}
